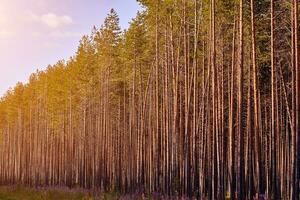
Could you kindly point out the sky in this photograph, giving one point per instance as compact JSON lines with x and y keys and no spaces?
{"x":36,"y":33}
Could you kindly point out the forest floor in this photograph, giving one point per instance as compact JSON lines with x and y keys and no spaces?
{"x":57,"y":193}
{"x":22,"y":193}
{"x":64,"y":193}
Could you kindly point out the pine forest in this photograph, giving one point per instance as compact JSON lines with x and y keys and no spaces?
{"x":197,"y":98}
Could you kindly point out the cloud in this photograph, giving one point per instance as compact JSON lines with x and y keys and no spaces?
{"x":52,"y":20}
{"x":36,"y":34}
{"x":52,"y":45}
{"x":2,"y":19}
{"x":65,"y":34}
{"x":5,"y":34}
{"x":57,"y":34}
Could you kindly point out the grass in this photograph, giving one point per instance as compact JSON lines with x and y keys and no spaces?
{"x":24,"y":193}
{"x":21,"y":193}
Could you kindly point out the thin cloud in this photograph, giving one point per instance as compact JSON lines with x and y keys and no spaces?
{"x":36,"y":34}
{"x":4,"y":34}
{"x":65,"y":34}
{"x":2,"y":19}
{"x":52,"y":45}
{"x":57,"y":34}
{"x":52,"y":20}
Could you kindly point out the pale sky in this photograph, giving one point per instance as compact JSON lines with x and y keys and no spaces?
{"x":35,"y":33}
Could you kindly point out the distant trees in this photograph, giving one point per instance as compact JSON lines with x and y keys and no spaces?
{"x":197,"y":98}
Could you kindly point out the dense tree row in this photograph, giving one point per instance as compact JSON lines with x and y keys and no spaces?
{"x":197,"y":98}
